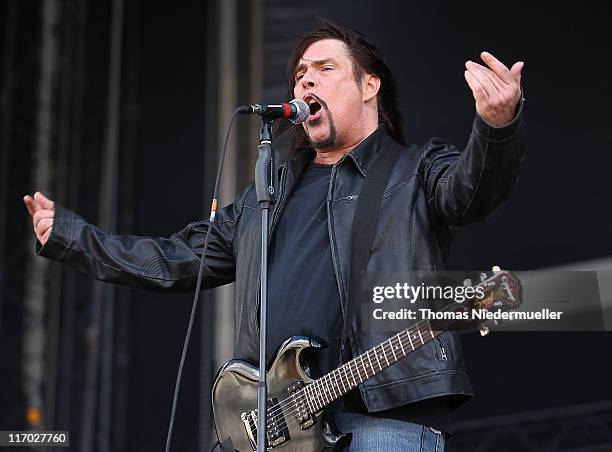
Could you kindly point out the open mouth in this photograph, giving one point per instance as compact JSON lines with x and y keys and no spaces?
{"x":314,"y":105}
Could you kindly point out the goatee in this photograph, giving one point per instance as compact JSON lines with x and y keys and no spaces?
{"x":328,"y":142}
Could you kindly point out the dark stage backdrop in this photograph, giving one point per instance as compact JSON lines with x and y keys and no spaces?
{"x":161,"y":165}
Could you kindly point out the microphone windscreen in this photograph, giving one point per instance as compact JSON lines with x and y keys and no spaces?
{"x":302,"y":111}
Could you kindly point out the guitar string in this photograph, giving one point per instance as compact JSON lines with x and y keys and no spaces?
{"x":416,"y":334}
{"x":277,"y":410}
{"x":276,"y":417}
{"x":287,"y":402}
{"x":348,"y":366}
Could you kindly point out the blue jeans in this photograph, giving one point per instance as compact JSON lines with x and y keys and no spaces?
{"x":372,"y":434}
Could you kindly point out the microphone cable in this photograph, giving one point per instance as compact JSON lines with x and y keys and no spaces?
{"x":213,"y":210}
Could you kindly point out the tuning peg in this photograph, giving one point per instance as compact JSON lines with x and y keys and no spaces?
{"x":484,"y":330}
{"x":496,"y":269}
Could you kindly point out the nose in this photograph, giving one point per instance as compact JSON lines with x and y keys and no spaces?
{"x":307,"y":80}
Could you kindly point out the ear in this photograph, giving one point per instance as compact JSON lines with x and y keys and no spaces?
{"x":371,"y":85}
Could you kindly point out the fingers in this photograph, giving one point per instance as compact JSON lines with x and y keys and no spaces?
{"x":488,"y":75}
{"x":516,"y":70}
{"x":43,"y":216}
{"x":41,"y":209}
{"x":39,"y":201}
{"x":480,"y":74}
{"x":478,"y":91}
{"x":30,"y":204}
{"x":44,"y":226}
{"x":43,"y":239}
{"x":497,"y":67}
{"x":44,"y":202}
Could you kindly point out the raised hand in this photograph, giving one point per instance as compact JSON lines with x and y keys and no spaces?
{"x":41,"y":210}
{"x":496,"y":89}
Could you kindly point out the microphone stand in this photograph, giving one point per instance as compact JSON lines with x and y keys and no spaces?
{"x":265,"y":175}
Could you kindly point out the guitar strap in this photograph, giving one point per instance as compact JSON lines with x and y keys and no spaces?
{"x":362,"y":235}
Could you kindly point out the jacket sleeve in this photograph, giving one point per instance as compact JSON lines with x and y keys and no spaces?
{"x":463,"y":187}
{"x":160,"y":264}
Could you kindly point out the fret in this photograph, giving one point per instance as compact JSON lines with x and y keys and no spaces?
{"x":317,"y":392}
{"x":328,"y":388}
{"x":411,"y":344}
{"x":308,"y":398}
{"x":336,"y":384}
{"x":384,"y":354}
{"x":357,"y":370}
{"x":364,"y":367}
{"x":370,"y":361}
{"x":401,"y":345}
{"x":322,"y":392}
{"x":355,"y":381}
{"x":347,"y":370}
{"x":430,"y":332}
{"x":345,"y":377}
{"x":304,"y":395}
{"x":316,"y":398}
{"x":341,"y":381}
{"x":422,"y":341}
{"x":391,"y":344}
{"x":376,"y":354}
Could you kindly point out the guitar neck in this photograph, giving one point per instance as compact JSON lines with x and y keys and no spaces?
{"x":502,"y":290}
{"x":340,"y":381}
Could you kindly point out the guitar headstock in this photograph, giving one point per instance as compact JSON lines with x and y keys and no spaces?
{"x":502,"y":292}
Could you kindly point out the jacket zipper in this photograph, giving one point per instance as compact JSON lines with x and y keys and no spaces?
{"x":270,"y":229}
{"x":330,"y":232}
{"x":443,"y":356}
{"x":333,"y":244}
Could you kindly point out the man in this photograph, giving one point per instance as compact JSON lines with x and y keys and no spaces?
{"x":432,"y":188}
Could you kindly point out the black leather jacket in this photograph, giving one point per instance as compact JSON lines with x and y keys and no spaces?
{"x":432,"y":189}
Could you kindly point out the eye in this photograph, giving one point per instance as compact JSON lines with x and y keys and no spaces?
{"x":327,"y":68}
{"x":299,"y":76}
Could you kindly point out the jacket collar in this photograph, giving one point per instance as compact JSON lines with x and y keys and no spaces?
{"x":364,"y":153}
{"x":361,"y":156}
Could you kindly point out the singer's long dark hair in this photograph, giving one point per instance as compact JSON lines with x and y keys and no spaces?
{"x":367,"y":59}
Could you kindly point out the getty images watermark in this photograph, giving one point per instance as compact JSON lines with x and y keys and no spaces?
{"x":527,"y":301}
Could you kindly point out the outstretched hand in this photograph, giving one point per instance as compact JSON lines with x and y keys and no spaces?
{"x":42,"y":212}
{"x":496,"y":89}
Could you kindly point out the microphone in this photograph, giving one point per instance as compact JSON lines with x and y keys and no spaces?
{"x":296,"y":111}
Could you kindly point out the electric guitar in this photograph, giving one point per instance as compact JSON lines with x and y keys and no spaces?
{"x":296,"y":402}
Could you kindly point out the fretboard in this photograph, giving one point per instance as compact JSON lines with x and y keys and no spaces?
{"x":340,"y":381}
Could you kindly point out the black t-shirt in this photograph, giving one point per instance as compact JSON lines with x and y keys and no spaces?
{"x":303,"y":296}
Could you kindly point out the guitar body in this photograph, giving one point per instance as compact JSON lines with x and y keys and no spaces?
{"x":234,"y":397}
